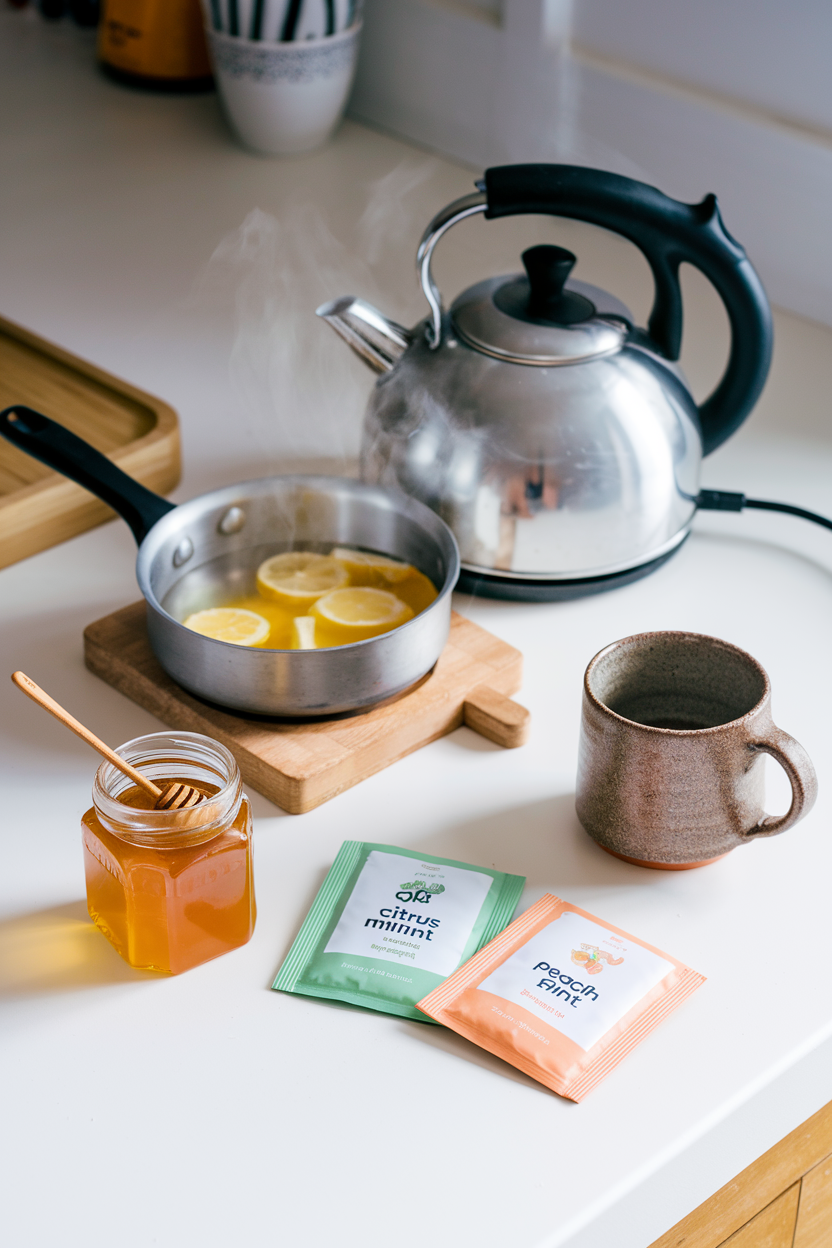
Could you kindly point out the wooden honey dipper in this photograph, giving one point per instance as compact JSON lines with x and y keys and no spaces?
{"x":174,"y":797}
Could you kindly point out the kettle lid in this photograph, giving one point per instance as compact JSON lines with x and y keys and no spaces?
{"x":536,"y":319}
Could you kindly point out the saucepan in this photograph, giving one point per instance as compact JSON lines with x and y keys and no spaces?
{"x":205,"y":551}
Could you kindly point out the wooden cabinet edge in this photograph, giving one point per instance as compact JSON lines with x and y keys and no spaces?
{"x":772,"y":1227}
{"x":813,"y":1228}
{"x":756,"y":1187}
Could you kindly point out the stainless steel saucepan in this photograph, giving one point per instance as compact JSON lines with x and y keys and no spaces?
{"x":206,"y":551}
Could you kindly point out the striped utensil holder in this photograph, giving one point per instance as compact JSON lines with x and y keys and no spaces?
{"x":284,"y":68}
{"x":281,"y":21}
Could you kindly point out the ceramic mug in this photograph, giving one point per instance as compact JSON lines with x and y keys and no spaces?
{"x":670,"y":770}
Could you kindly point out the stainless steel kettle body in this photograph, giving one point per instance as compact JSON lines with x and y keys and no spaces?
{"x":600,"y":475}
{"x":559,"y":442}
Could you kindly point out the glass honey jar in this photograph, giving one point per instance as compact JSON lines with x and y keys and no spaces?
{"x":170,"y":889}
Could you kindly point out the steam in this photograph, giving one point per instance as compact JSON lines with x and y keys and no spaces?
{"x":386,"y":222}
{"x":296,"y":391}
{"x":299,"y":392}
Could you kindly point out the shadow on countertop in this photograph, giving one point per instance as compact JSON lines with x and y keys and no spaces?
{"x":59,"y":949}
{"x":542,"y":840}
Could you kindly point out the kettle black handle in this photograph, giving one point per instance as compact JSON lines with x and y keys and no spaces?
{"x":667,"y":232}
{"x":58,"y":448}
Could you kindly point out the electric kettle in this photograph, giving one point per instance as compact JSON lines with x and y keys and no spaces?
{"x":558,"y":440}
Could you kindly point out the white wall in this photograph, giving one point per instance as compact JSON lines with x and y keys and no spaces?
{"x":734,"y":98}
{"x":775,"y":54}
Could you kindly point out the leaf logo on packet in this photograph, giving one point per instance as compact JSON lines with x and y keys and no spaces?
{"x":372,"y":940}
{"x":517,"y":998}
{"x":419,"y":891}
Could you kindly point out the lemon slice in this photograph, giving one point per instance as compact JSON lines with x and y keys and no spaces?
{"x":354,"y":614}
{"x":241,"y":628}
{"x":303,"y":633}
{"x":366,"y":568}
{"x":298,"y":577}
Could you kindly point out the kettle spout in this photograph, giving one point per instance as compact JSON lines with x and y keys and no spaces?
{"x":378,"y":341}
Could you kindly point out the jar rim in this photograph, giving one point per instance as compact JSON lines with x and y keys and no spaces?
{"x":176,"y":753}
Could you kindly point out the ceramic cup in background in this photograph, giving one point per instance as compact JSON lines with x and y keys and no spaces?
{"x":284,"y":98}
{"x":670,"y":770}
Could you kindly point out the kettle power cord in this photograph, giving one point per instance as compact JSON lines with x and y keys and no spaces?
{"x":724,"y":500}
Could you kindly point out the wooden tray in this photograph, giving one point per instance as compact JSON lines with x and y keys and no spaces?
{"x":299,"y":765}
{"x":39,"y":508}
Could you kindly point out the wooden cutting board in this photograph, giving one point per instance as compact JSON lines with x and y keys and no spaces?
{"x":299,"y":765}
{"x":38,"y":507}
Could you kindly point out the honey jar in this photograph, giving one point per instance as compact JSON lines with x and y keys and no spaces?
{"x":170,"y":889}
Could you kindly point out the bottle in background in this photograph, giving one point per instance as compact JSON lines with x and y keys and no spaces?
{"x":85,"y":12}
{"x":155,"y":43}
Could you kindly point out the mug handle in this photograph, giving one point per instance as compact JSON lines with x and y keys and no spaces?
{"x":797,"y":765}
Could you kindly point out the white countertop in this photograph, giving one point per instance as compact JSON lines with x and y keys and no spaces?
{"x":206,"y":1109}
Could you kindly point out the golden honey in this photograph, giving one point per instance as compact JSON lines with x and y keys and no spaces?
{"x":170,"y":890}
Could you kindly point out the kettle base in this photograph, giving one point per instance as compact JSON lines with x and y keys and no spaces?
{"x":513,"y":589}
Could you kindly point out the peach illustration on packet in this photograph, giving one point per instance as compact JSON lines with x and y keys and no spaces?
{"x":517,"y":999}
{"x":592,"y":959}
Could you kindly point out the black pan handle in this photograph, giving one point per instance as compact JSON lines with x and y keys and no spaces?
{"x":55,"y":446}
{"x":667,"y":232}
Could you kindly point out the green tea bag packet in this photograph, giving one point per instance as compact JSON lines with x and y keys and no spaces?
{"x":389,"y":925}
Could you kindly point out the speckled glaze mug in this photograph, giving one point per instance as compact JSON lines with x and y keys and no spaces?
{"x":670,"y":770}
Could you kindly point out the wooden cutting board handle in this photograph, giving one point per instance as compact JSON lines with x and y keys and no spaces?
{"x":496,"y":717}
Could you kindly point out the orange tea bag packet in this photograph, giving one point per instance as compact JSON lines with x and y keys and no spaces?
{"x":561,"y":995}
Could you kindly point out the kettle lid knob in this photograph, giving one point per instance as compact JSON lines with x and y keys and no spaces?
{"x":547,"y":269}
{"x":538,"y":319}
{"x":542,"y":298}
